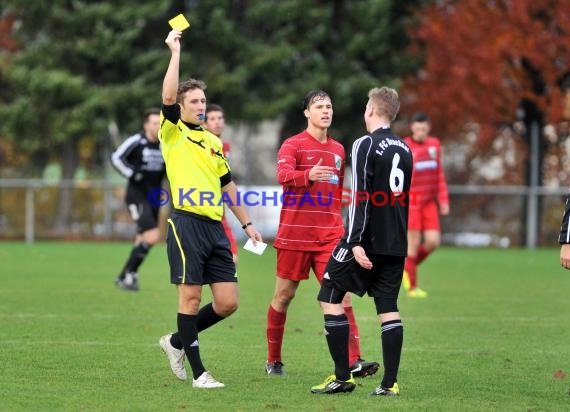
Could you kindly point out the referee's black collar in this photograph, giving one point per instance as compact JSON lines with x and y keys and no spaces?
{"x":193,"y":126}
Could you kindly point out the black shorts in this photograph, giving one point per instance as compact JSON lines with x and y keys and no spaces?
{"x":143,"y":213}
{"x":345,"y":275}
{"x":198,"y":250}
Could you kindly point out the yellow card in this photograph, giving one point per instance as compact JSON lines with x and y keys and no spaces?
{"x":179,"y":22}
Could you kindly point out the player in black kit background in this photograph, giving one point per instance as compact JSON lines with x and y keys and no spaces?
{"x":370,"y":256}
{"x":139,"y":159}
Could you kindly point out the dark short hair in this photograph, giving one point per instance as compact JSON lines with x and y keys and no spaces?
{"x":313,"y":95}
{"x":211,"y":107}
{"x":420,"y":117}
{"x":149,"y":112}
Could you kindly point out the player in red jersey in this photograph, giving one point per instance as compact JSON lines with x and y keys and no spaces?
{"x":429,"y":199}
{"x":216,"y":123}
{"x":310,"y":166}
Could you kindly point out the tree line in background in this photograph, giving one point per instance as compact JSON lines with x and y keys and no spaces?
{"x":494,"y":65}
{"x":72,"y":73}
{"x":75,"y":68}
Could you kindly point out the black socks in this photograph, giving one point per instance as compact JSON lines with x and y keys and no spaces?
{"x":138,"y":253}
{"x":207,"y":317}
{"x":189,"y":336}
{"x":336,"y":330}
{"x":392,"y":340}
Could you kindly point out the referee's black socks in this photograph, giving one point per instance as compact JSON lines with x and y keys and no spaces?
{"x":205,"y":318}
{"x":392,"y":340}
{"x":189,"y":336}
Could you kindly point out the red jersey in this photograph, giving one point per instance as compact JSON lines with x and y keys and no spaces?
{"x":226,"y":150}
{"x":428,"y":180}
{"x":310,"y":217}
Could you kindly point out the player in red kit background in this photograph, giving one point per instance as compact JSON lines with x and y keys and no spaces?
{"x":429,"y":199}
{"x":216,"y":123}
{"x":310,"y":166}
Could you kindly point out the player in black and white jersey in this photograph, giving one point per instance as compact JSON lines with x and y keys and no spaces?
{"x":370,"y":257}
{"x":139,"y":159}
{"x":564,"y":237}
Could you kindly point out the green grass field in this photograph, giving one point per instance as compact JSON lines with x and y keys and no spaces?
{"x":491,"y":335}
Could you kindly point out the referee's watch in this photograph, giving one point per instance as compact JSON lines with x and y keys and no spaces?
{"x":246,"y":225}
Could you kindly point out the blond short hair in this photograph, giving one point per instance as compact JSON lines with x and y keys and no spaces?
{"x":190,"y":84}
{"x":386,"y":101}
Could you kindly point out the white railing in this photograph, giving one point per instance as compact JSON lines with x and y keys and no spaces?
{"x":31,"y":185}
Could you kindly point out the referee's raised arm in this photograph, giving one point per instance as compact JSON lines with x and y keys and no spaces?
{"x":170,"y":83}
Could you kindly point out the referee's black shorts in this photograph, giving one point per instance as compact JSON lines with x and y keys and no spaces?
{"x":143,"y":213}
{"x":344,"y":274}
{"x":198,"y":250}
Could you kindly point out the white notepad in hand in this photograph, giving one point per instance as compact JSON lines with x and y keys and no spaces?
{"x":258,"y":249}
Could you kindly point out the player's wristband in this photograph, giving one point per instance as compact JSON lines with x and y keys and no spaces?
{"x":246,"y":225}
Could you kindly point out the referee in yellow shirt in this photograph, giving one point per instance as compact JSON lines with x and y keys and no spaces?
{"x":198,"y":249}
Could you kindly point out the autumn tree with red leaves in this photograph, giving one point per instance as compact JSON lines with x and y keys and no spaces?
{"x":486,"y":59}
{"x":488,"y":65}
{"x":7,"y":43}
{"x":6,"y":40}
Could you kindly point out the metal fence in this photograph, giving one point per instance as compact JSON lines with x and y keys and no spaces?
{"x":32,"y":209}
